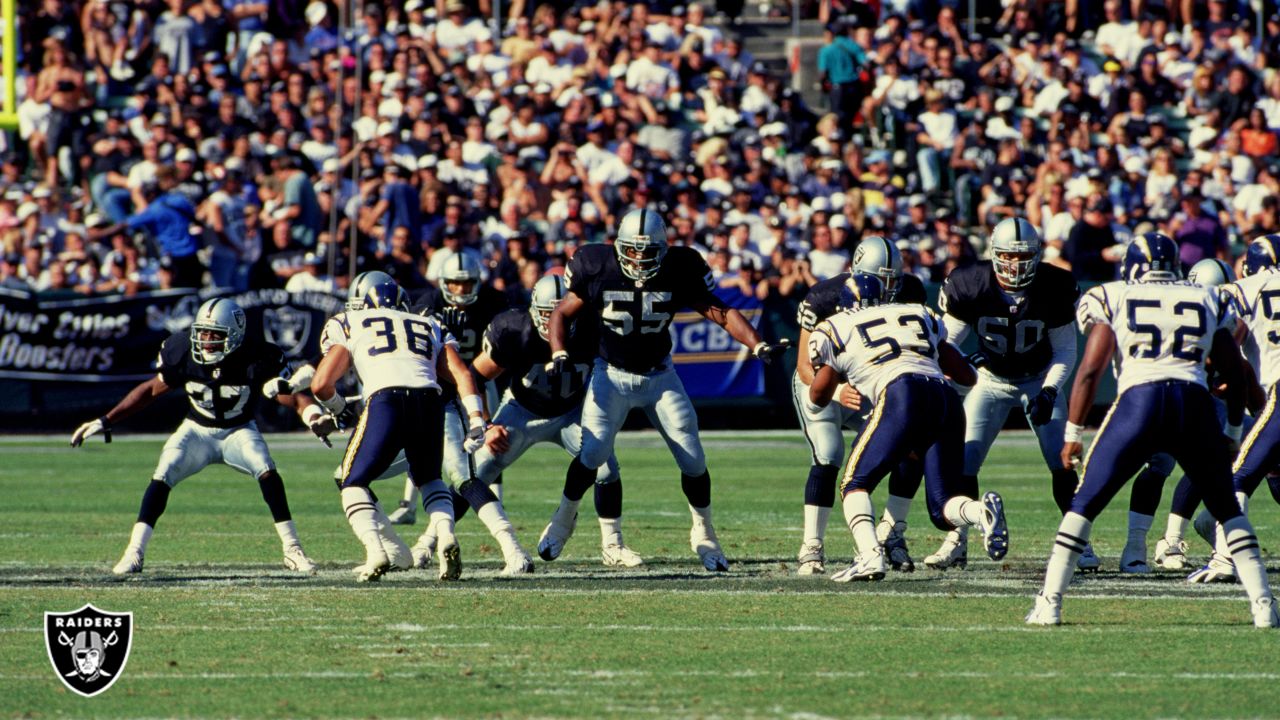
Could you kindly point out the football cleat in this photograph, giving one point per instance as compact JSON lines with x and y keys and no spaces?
{"x":1088,"y":560}
{"x":1134,"y":560}
{"x":518,"y":564}
{"x":398,"y":553}
{"x":813,"y":558}
{"x":423,"y":550}
{"x":406,"y":514}
{"x":449,"y":554}
{"x":1171,"y":556}
{"x":554,"y":536}
{"x":894,"y":541}
{"x":375,"y":564}
{"x":616,"y":555}
{"x":867,"y":567}
{"x":702,"y":538}
{"x":296,"y":560}
{"x":1264,"y":613}
{"x":995,"y":532}
{"x":954,"y":552}
{"x":130,"y":563}
{"x":1048,"y":610}
{"x":1219,"y":569}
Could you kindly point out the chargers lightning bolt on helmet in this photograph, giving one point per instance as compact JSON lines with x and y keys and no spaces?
{"x":641,"y":244}
{"x":1262,"y":254}
{"x":861,"y":290}
{"x":361,"y":285}
{"x":386,"y":296}
{"x":1152,"y":256}
{"x":547,"y":293}
{"x":1015,"y":252}
{"x":217,"y":331}
{"x":877,"y":256}
{"x":462,"y":268}
{"x":1211,"y":272}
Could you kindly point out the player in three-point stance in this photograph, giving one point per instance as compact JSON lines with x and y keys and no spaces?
{"x":224,"y":373}
{"x":823,"y":426}
{"x":896,"y":353}
{"x":1160,"y":330}
{"x":400,"y":358}
{"x":633,"y":290}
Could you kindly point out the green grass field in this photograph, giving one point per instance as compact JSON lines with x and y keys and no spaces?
{"x":221,"y":629}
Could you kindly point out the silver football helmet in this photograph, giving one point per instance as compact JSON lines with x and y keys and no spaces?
{"x":461,"y":269}
{"x":1015,"y":252}
{"x":217,"y":331}
{"x":877,"y":256}
{"x":360,"y":286}
{"x":641,"y":244}
{"x":547,"y":293}
{"x":1211,"y":272}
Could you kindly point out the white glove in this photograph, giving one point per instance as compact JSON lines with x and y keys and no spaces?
{"x":301,"y":378}
{"x":475,"y":436}
{"x":320,"y":422}
{"x":91,"y":428}
{"x":274,"y":387}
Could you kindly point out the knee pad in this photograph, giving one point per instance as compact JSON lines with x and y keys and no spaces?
{"x":820,"y":490}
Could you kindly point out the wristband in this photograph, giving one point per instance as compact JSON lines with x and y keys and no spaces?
{"x":560,"y":355}
{"x":311,"y":414}
{"x":335,"y":404}
{"x":473,"y":404}
{"x":1234,"y":432}
{"x":1072,"y":433}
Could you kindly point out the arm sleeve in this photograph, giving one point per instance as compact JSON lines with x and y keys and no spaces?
{"x":821,"y":349}
{"x":1062,"y":340}
{"x":956,"y":330}
{"x":1093,"y":309}
{"x":497,"y":345}
{"x":170,"y":361}
{"x":336,"y":332}
{"x":577,"y":276}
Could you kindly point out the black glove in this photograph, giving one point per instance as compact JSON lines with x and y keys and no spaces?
{"x":766,"y":353}
{"x":977,"y":359}
{"x":348,"y":417}
{"x":559,"y":364}
{"x":454,"y":317}
{"x":1040,"y":408}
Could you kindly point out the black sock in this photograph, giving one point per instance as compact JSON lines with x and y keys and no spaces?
{"x":460,"y":503}
{"x":273,"y":492}
{"x":820,"y":490}
{"x":1064,"y":488}
{"x":497,"y":480}
{"x":1186,"y":498}
{"x":697,"y":489}
{"x":154,"y":501}
{"x":1144,"y":497}
{"x":577,"y":479}
{"x":609,"y":500}
{"x":477,"y":495}
{"x":904,"y":481}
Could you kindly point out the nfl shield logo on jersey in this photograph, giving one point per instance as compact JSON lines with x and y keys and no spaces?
{"x":287,"y":327}
{"x":88,"y":647}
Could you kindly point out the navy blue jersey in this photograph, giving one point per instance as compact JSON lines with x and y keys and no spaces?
{"x":1012,"y":330}
{"x":634,"y":317}
{"x":514,"y":344}
{"x":466,"y":322}
{"x":822,"y":300}
{"x":226,"y":394}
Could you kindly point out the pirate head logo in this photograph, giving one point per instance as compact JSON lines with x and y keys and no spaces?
{"x":287,"y":327}
{"x":88,"y":647}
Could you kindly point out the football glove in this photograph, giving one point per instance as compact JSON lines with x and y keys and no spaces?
{"x":91,"y":428}
{"x":454,"y":317}
{"x":977,"y":359}
{"x":766,"y":353}
{"x":1040,"y":408}
{"x":475,"y":436}
{"x":559,"y":364}
{"x":321,"y":423}
{"x":275,"y":387}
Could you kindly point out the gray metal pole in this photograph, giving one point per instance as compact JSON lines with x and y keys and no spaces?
{"x":973,"y":16}
{"x":496,"y":22}
{"x":355,"y":164}
{"x":795,"y":18}
{"x":344,"y":22}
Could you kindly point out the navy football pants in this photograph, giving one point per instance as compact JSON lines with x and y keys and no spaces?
{"x":396,"y":419}
{"x":1260,"y":450}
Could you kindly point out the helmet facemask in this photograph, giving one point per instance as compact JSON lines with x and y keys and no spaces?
{"x":1015,"y":269}
{"x":639,"y":256}
{"x":460,"y":290}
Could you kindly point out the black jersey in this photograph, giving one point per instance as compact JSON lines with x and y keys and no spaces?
{"x":467,"y":322}
{"x":634,"y":317}
{"x":225,"y":394}
{"x":1012,"y":330}
{"x":824,"y":297}
{"x":514,"y":344}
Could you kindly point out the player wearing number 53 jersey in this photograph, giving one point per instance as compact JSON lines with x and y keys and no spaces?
{"x":1160,"y":331}
{"x":225,"y":372}
{"x":635,"y":288}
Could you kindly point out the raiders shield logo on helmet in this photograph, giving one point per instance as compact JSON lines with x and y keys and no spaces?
{"x":287,"y":327}
{"x":88,"y":647}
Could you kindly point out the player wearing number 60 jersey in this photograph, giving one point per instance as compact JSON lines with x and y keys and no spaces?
{"x":1160,"y":330}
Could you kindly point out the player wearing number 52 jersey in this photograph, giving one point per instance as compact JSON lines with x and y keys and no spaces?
{"x":634,"y":289}
{"x":224,"y":372}
{"x":1160,"y":330}
{"x":895,"y":354}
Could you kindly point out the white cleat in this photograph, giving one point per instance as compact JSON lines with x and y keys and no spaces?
{"x":398,"y":553}
{"x":617,"y":555}
{"x":1133,"y":560}
{"x":554,"y":537}
{"x":1088,"y":560}
{"x":1048,"y":610}
{"x":812,"y":558}
{"x":892,"y":537}
{"x":518,"y":564}
{"x":296,"y":560}
{"x":867,"y":567}
{"x":1170,"y":556}
{"x":1264,"y":613}
{"x":130,"y":563}
{"x":406,"y":514}
{"x":953,"y":553}
{"x":449,"y":554}
{"x":1219,"y":569}
{"x":423,"y":550}
{"x":702,"y":538}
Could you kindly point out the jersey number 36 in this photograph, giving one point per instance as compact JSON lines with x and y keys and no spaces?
{"x":416,"y":336}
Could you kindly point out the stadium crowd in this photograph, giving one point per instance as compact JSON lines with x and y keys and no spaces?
{"x":251,"y":140}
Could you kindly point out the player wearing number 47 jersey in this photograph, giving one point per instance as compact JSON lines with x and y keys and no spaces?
{"x":635,"y":288}
{"x":224,"y":372}
{"x":1159,"y":330}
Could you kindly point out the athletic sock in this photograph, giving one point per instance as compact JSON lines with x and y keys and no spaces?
{"x":362,"y":516}
{"x":154,"y":500}
{"x":860,"y":516}
{"x":610,"y":531}
{"x":1072,"y":538}
{"x":1139,"y":526}
{"x":288,"y":534}
{"x":272,"y":488}
{"x":496,"y":487}
{"x":1176,"y":528}
{"x":460,"y":503}
{"x":963,"y":512}
{"x":819,"y":497}
{"x":697,"y":489}
{"x":1065,"y":483}
{"x":608,"y":499}
{"x":495,"y":519}
{"x":477,"y":495}
{"x":815,"y":523}
{"x":1243,"y":546}
{"x":410,"y":492}
{"x":140,"y":536}
{"x":577,"y":480}
{"x":895,"y":510}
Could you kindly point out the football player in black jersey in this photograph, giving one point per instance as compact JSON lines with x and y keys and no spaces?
{"x":224,"y":374}
{"x":822,"y":426}
{"x":535,"y":409}
{"x":1023,"y":314}
{"x":632,"y":291}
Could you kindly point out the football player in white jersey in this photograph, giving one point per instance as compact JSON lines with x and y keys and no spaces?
{"x":1159,"y":330}
{"x":896,"y":353}
{"x":400,"y":358}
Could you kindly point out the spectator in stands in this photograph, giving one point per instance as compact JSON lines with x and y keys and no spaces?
{"x":168,"y":217}
{"x":1199,"y":234}
{"x":1091,"y":249}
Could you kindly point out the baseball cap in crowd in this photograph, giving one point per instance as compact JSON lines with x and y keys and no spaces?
{"x":1135,"y":165}
{"x":1004,"y":104}
{"x":1100,"y":204}
{"x":820,"y":204}
{"x":185,"y":154}
{"x":838,"y":222}
{"x":877,"y":156}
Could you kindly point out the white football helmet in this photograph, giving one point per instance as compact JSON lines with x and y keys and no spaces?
{"x":360,"y":286}
{"x":641,"y":244}
{"x":217,"y":331}
{"x":877,"y":256}
{"x":1015,"y":252}
{"x":547,"y":293}
{"x":460,"y":268}
{"x":1211,"y":272}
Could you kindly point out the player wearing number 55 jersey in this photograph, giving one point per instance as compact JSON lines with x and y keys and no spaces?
{"x":1160,"y":331}
{"x":635,"y":288}
{"x":224,"y":372}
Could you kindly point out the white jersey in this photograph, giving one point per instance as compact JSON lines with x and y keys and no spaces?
{"x":1164,"y":330}
{"x":392,"y":348}
{"x":874,"y":346}
{"x":1256,"y":301}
